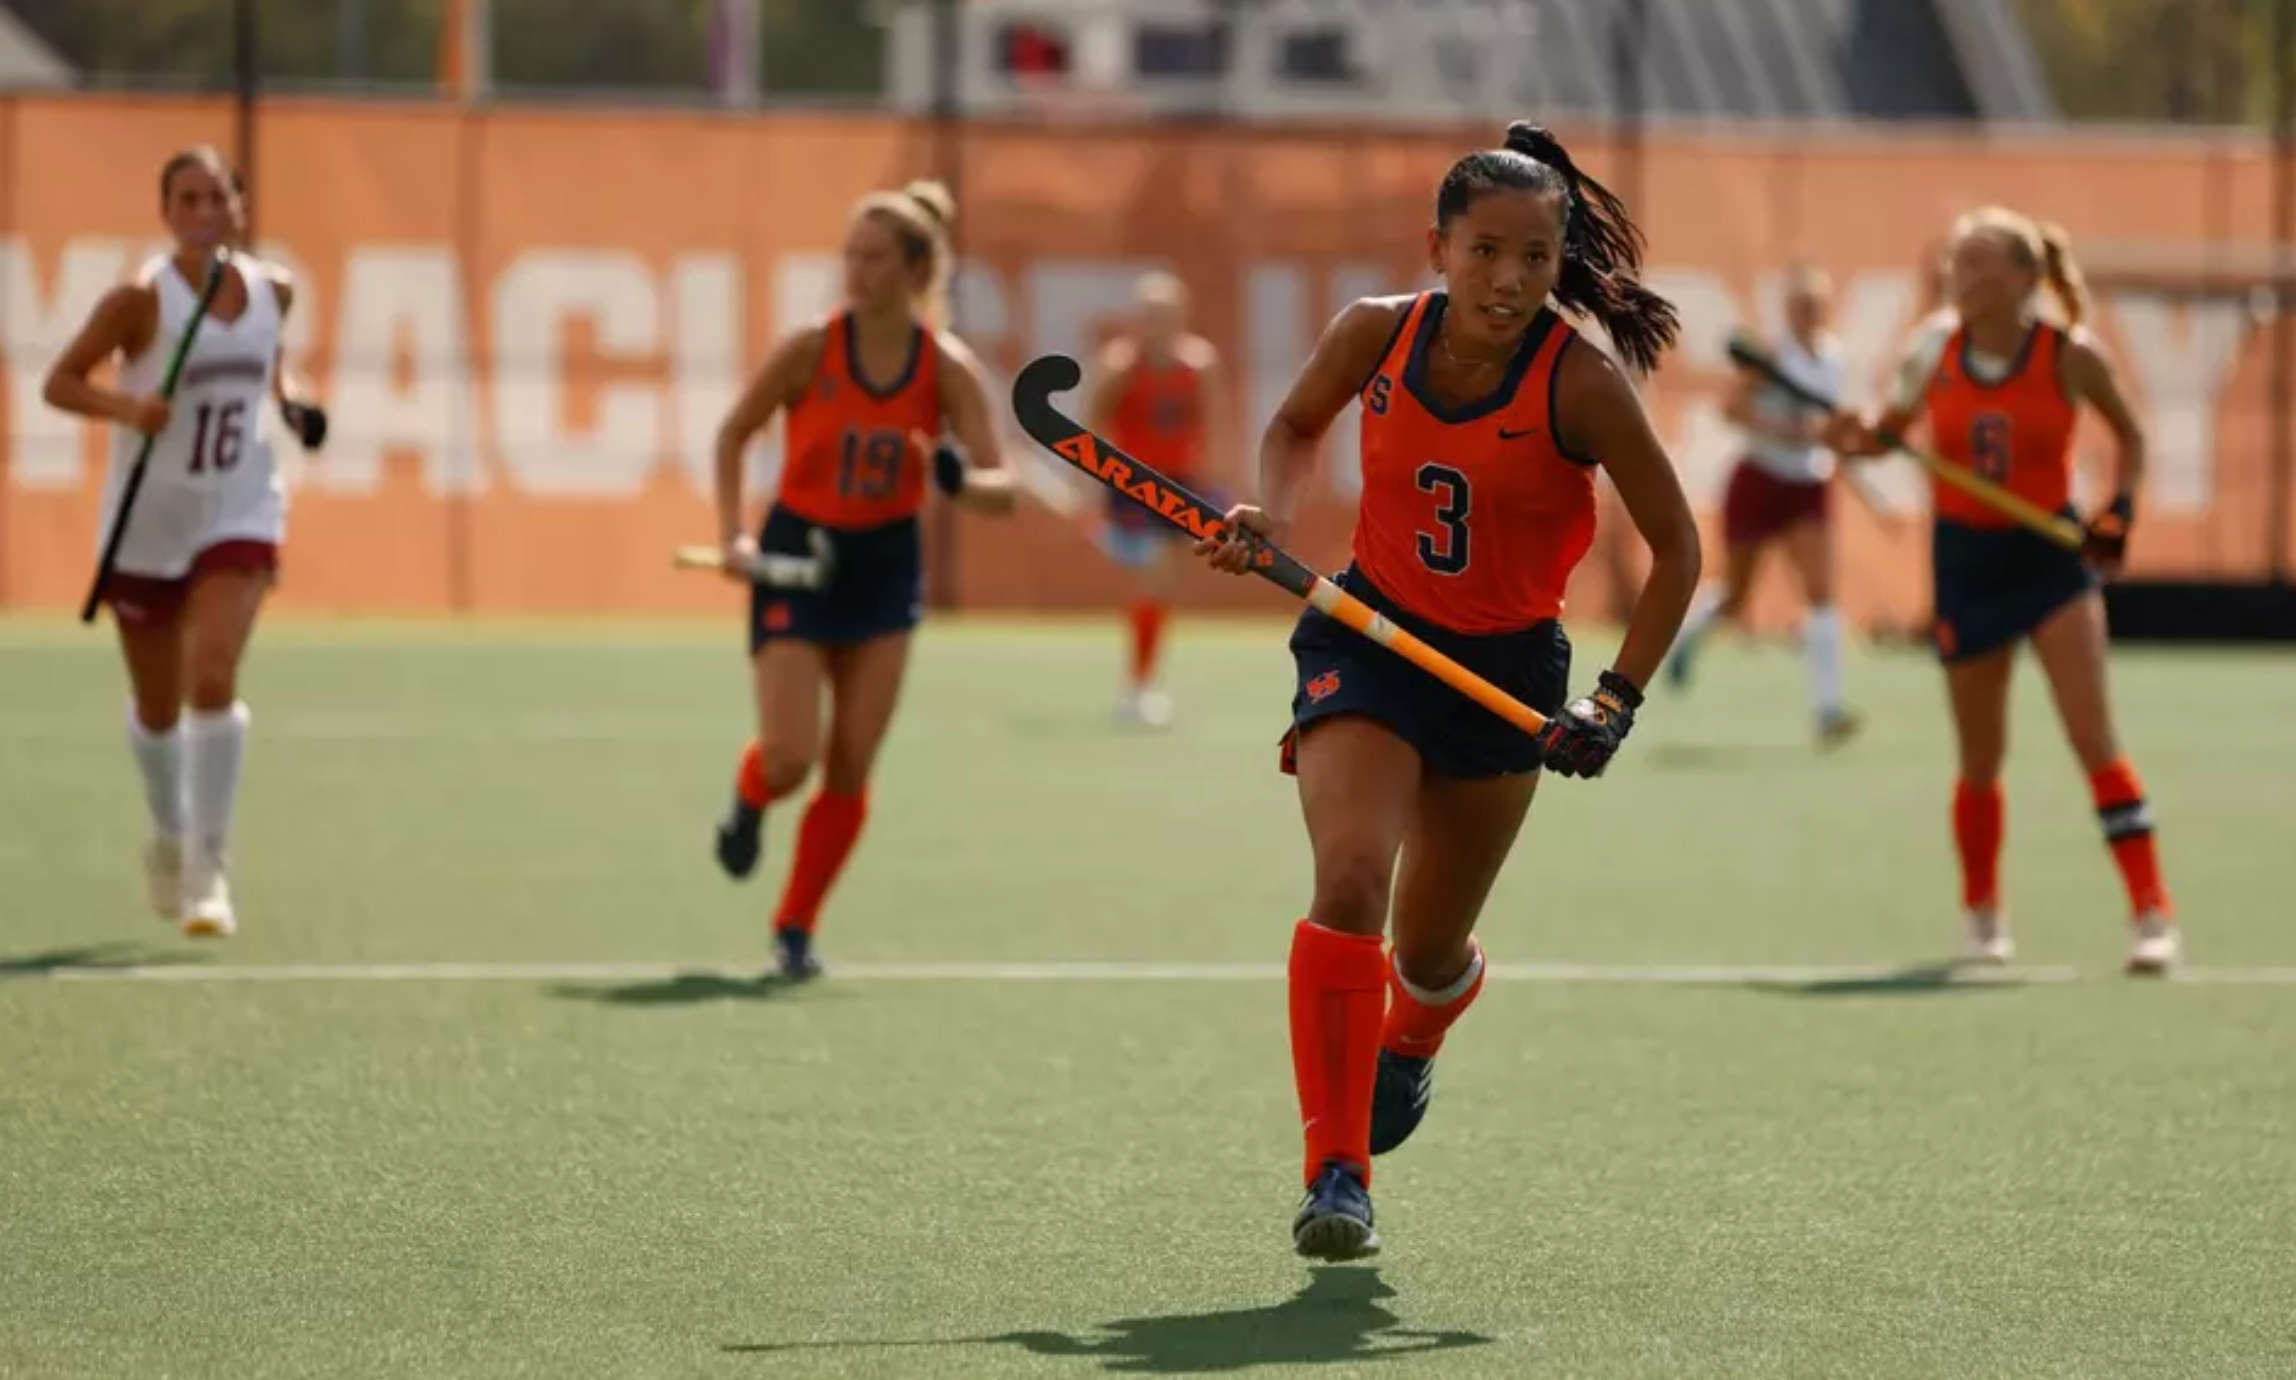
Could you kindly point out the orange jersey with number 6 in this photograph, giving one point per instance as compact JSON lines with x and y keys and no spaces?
{"x":2017,"y":432}
{"x":1159,"y":417}
{"x":1472,"y":517}
{"x":855,"y":458}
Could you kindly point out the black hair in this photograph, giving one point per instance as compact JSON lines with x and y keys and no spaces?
{"x":1602,"y":248}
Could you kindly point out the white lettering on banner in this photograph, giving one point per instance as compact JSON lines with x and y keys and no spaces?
{"x":2180,"y":375}
{"x":1349,"y":282}
{"x":533,"y":300}
{"x":400,"y":302}
{"x":403,"y":381}
{"x":706,"y":358}
{"x":1275,"y":343}
{"x":45,"y":447}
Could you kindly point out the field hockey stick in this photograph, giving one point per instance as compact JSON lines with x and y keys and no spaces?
{"x":2055,"y":526}
{"x":774,"y":569}
{"x":1032,"y":403}
{"x":119,"y":530}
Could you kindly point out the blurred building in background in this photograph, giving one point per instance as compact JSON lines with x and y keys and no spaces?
{"x":540,"y":253}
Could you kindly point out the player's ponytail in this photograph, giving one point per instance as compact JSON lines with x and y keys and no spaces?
{"x":2063,"y":273}
{"x":1602,"y":255}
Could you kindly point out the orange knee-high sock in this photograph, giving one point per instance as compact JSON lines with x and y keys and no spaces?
{"x":1418,"y":1018}
{"x":2128,"y":823}
{"x":1148,"y":617}
{"x":1977,"y":829}
{"x":825,"y":838}
{"x":1338,"y":993}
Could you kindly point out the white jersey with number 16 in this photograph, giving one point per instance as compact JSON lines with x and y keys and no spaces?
{"x":212,"y":477}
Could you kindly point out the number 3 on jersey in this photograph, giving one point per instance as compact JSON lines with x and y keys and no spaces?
{"x":1989,"y":447}
{"x":1444,"y":550}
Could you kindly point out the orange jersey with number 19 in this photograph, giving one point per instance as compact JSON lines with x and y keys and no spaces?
{"x":1472,"y":517}
{"x":854,"y":460}
{"x":2017,"y":432}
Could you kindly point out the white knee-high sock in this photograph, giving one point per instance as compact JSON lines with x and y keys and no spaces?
{"x":159,"y":757}
{"x":215,"y":746}
{"x":1822,"y":650}
{"x":1704,"y":607}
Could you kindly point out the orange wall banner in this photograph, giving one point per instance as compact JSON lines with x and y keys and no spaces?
{"x":526,"y":324}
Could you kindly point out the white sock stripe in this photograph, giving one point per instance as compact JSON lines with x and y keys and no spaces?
{"x":1458,"y":988}
{"x":2126,"y":821}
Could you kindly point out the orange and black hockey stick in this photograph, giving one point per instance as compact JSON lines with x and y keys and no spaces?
{"x":2026,"y":513}
{"x":1032,"y":403}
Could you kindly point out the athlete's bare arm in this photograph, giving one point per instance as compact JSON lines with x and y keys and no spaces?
{"x":123,"y":323}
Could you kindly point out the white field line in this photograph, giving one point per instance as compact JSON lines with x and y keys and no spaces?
{"x":1548,"y":973}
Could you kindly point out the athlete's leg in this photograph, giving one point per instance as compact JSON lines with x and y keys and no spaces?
{"x":151,"y":643}
{"x":1151,"y":577}
{"x":219,"y":618}
{"x":786,"y":677}
{"x":1459,"y":837}
{"x":1979,"y":691}
{"x":865,"y":688}
{"x":1716,"y":602}
{"x":2071,"y":646}
{"x":1809,"y":549}
{"x":1358,"y":783}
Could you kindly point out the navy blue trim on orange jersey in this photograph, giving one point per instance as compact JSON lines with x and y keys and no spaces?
{"x":1555,"y":410}
{"x":1415,"y":368}
{"x":2016,"y":365}
{"x":861,"y":380}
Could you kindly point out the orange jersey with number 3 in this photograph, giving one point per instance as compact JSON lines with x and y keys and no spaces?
{"x":1472,"y":517}
{"x":854,"y":457}
{"x":2017,"y":432}
{"x":1159,"y":417}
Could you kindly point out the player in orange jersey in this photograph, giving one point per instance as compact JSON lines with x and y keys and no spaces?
{"x":867,"y":390}
{"x":1485,"y":417}
{"x":1159,"y":396}
{"x":2002,"y":389}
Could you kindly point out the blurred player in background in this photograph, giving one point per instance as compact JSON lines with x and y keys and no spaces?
{"x":1158,"y":396}
{"x":867,"y":392}
{"x":2002,"y":389}
{"x":1778,"y":496}
{"x":1485,"y":417}
{"x":201,"y":547}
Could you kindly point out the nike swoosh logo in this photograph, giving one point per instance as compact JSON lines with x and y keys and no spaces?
{"x":1506,"y":435}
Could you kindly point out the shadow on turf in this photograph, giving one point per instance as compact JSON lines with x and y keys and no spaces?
{"x":1925,"y":980}
{"x":1337,"y":1317}
{"x":114,"y":955}
{"x":683,"y":989}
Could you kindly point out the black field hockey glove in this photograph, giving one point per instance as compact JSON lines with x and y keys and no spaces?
{"x":1581,"y":740}
{"x":2105,"y":542}
{"x":307,"y":420}
{"x":948,"y":470}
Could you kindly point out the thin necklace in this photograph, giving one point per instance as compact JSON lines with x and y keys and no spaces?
{"x":1443,"y":338}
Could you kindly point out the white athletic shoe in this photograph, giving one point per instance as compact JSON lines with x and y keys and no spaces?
{"x":2158,"y":947}
{"x":163,"y":876}
{"x":1988,"y":938}
{"x":1145,"y":706}
{"x":207,"y":912}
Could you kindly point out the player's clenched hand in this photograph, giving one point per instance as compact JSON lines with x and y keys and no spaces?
{"x":1581,"y":740}
{"x":2105,"y":541}
{"x":1851,"y":437}
{"x":740,"y":558}
{"x":1243,"y":527}
{"x":148,"y":415}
